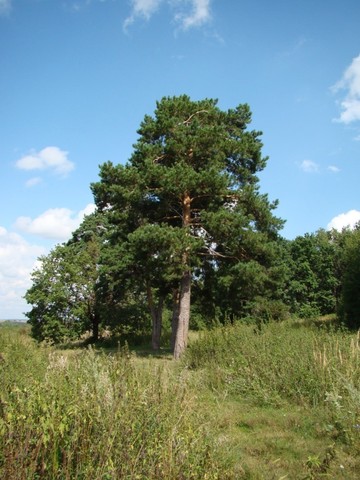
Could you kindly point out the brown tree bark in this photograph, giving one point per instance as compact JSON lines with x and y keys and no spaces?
{"x":175,"y":317}
{"x":182,"y":331}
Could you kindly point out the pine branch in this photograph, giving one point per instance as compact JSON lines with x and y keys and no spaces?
{"x":186,"y":122}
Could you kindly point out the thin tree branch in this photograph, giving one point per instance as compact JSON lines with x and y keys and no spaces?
{"x":185,"y":122}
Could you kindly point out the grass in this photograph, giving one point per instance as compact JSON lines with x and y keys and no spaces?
{"x":280,"y":402}
{"x":95,"y":416}
{"x":288,"y":398}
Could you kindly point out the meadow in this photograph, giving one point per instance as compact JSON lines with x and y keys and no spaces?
{"x":275,"y":401}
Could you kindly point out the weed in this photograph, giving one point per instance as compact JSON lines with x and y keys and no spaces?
{"x":94,"y":416}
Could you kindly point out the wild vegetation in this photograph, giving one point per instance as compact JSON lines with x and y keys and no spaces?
{"x":279,"y":402}
{"x":92,"y":416}
{"x":268,"y":386}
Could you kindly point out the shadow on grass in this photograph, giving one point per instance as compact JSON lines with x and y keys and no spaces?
{"x":118,"y":346}
{"x":330,"y":323}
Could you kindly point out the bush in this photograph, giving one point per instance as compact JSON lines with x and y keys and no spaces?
{"x":264,"y":310}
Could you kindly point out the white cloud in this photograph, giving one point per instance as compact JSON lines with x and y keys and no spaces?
{"x":49,"y":158}
{"x":187,"y":13}
{"x":55,"y":223}
{"x":142,"y":9}
{"x":17,"y":260}
{"x":309,"y":166}
{"x":80,"y":4}
{"x":348,"y":219}
{"x":5,"y":6}
{"x":198,"y":16}
{"x":350,"y":82}
{"x":33,"y":181}
{"x":334,"y":169}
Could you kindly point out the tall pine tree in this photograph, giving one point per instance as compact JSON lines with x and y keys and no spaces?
{"x":189,"y":191}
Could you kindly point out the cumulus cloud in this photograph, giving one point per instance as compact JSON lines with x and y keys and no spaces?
{"x":344,"y":220}
{"x":5,"y":6}
{"x":49,"y":158}
{"x":334,"y":169}
{"x":187,"y":13}
{"x":55,"y":223}
{"x":18,"y":258}
{"x":350,"y":83}
{"x":309,"y":166}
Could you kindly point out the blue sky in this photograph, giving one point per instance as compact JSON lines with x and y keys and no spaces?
{"x":78,"y":76}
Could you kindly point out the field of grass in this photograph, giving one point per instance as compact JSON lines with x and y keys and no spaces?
{"x":280,"y":402}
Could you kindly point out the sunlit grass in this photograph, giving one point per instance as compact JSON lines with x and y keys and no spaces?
{"x":279,"y":402}
{"x":95,"y":416}
{"x":288,"y":398}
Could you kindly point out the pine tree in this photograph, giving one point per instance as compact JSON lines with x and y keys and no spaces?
{"x":190,"y":191}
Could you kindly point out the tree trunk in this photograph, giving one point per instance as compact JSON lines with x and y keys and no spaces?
{"x":175,"y":317}
{"x":156,"y":331}
{"x":184,"y":315}
{"x":95,"y":323}
{"x":156,"y":317}
{"x":94,"y":317}
{"x":185,"y":286}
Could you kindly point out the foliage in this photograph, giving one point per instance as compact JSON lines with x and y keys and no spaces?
{"x":314,"y":281}
{"x":63,"y":293}
{"x":349,"y":309}
{"x":183,"y":224}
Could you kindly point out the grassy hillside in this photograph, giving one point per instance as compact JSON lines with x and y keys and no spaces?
{"x":280,"y":402}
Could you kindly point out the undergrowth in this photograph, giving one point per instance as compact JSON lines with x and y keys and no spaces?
{"x":90,"y":416}
{"x":285,"y":362}
{"x":267,"y":402}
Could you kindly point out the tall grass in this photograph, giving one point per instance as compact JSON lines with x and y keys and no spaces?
{"x":285,"y":362}
{"x":89,"y":416}
{"x":81,"y":414}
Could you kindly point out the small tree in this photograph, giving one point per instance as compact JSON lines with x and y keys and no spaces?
{"x":63,"y":294}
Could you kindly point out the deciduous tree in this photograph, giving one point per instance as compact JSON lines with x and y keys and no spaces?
{"x":63,"y":293}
